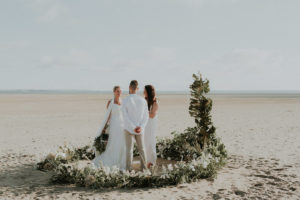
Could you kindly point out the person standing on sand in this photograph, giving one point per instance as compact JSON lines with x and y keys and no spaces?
{"x":150,"y":140}
{"x":135,"y":114}
{"x":114,"y":154}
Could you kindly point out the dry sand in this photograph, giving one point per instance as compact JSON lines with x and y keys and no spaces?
{"x":262,"y":136}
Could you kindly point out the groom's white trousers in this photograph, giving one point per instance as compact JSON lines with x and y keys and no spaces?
{"x":129,"y":149}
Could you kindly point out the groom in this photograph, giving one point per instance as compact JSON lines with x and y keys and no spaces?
{"x":135,"y":114}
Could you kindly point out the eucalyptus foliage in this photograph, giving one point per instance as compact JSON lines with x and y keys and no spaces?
{"x":183,"y":172}
{"x":65,"y":155}
{"x":200,"y":108}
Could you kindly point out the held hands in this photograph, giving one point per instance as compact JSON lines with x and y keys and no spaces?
{"x":138,"y":130}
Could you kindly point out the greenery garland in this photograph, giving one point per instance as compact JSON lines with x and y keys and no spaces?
{"x":198,"y":151}
{"x":182,"y":172}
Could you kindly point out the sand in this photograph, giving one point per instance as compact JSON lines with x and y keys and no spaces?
{"x":261,"y":134}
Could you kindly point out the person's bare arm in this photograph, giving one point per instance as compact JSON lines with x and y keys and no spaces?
{"x":153,"y":111}
{"x":108,"y":103}
{"x":107,"y":108}
{"x":144,"y":121}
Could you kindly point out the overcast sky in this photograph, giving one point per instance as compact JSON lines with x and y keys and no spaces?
{"x":95,"y":44}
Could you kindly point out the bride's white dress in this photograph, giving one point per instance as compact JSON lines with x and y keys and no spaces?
{"x":115,"y":152}
{"x":150,"y":140}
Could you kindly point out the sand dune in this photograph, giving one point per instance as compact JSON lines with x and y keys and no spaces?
{"x":262,"y":136}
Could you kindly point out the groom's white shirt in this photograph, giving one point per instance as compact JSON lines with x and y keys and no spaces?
{"x":135,"y":113}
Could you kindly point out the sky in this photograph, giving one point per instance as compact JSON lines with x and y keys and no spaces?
{"x":96,"y":44}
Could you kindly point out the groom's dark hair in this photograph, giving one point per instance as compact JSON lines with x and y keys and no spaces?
{"x":134,"y":84}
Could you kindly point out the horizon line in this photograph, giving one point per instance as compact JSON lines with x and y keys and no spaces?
{"x":79,"y":91}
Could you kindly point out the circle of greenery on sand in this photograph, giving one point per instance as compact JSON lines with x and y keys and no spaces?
{"x":194,"y":154}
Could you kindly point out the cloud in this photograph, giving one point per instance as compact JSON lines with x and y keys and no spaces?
{"x":12,"y":53}
{"x":253,"y":68}
{"x":156,"y":57}
{"x":51,"y":14}
{"x":48,"y":10}
{"x":14,"y":44}
{"x":250,"y":60}
{"x":205,"y":2}
{"x":74,"y":59}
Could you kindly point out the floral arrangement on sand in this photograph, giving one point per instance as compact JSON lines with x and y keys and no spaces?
{"x":196,"y":153}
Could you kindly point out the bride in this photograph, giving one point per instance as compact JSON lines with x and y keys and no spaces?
{"x":114,"y":154}
{"x":149,"y":138}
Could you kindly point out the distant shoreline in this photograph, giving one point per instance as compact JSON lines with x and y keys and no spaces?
{"x":223,"y":93}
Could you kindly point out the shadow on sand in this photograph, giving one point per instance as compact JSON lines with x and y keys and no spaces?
{"x":24,"y":179}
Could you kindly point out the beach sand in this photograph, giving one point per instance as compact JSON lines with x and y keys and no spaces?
{"x":261,"y":134}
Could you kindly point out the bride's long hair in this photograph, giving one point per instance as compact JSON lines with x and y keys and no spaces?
{"x":151,"y":96}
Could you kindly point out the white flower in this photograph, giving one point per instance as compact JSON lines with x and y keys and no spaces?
{"x":192,"y":168}
{"x":115,"y":169}
{"x":170,"y":167}
{"x":126,"y":172}
{"x":163,"y":176}
{"x":205,"y":163}
{"x":106,"y":169}
{"x":194,"y":162}
{"x":147,"y":172}
{"x":60,"y":154}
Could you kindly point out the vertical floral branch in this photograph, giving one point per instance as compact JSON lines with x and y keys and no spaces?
{"x":200,"y":108}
